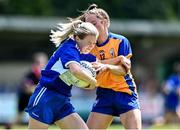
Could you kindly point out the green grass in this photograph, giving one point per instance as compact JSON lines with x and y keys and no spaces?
{"x":21,"y":127}
{"x":169,"y":127}
{"x":114,"y":126}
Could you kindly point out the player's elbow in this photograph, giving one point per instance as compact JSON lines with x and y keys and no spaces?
{"x":123,"y":73}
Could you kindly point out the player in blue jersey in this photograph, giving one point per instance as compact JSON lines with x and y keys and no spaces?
{"x":171,"y":91}
{"x":50,"y":102}
{"x":116,"y":93}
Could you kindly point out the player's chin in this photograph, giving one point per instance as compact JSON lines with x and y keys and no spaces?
{"x":84,"y":52}
{"x":87,"y":50}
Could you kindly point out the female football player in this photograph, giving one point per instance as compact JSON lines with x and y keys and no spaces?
{"x":50,"y":103}
{"x":116,"y":94}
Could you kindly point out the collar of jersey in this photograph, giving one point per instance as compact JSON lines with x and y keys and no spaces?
{"x":104,"y":43}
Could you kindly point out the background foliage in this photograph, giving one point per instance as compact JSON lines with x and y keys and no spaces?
{"x":124,"y":9}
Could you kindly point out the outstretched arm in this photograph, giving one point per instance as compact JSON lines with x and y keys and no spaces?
{"x":119,"y":65}
{"x":117,"y":69}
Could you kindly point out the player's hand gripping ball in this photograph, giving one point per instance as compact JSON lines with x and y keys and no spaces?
{"x":70,"y":79}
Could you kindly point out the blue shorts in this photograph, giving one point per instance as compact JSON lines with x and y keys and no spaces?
{"x":48,"y":106}
{"x":114,"y":103}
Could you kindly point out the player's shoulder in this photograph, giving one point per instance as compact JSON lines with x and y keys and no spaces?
{"x":68,"y":43}
{"x":68,"y":46}
{"x":122,"y":38}
{"x":117,"y":36}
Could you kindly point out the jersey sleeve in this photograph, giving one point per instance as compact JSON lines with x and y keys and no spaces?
{"x":88,"y":57}
{"x":68,"y":55}
{"x":125,"y":48}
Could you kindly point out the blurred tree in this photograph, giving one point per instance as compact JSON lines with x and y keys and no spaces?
{"x":27,"y":7}
{"x":144,"y":9}
{"x":124,"y":9}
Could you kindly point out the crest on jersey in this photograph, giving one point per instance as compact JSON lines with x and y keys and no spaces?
{"x":112,"y":53}
{"x":102,"y":54}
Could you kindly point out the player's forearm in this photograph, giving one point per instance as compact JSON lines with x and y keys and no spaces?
{"x":77,"y":71}
{"x":125,"y":62}
{"x":112,"y":61}
{"x":81,"y":74}
{"x":118,"y":70}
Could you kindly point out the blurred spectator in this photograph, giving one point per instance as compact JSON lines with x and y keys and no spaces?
{"x":29,"y":83}
{"x":151,"y":101}
{"x":171,"y":89}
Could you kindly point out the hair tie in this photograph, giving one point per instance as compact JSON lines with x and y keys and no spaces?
{"x":93,"y":6}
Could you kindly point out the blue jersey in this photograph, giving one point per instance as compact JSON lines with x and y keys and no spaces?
{"x":172,"y":98}
{"x":67,"y":53}
{"x":50,"y":101}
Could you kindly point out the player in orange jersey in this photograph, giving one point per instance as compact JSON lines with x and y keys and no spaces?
{"x":116,"y":94}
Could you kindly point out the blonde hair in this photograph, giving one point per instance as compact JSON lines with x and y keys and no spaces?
{"x":73,"y":28}
{"x":93,"y":9}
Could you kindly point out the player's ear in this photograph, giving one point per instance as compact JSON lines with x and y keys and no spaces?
{"x":77,"y":39}
{"x":105,"y":22}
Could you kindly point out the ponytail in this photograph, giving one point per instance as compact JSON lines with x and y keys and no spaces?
{"x":93,"y":9}
{"x":73,"y":28}
{"x":92,"y":6}
{"x":64,"y":31}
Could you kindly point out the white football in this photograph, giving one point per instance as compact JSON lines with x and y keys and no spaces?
{"x":70,"y":79}
{"x":87,"y":66}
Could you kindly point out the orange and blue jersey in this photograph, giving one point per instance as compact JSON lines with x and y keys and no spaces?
{"x":114,"y":46}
